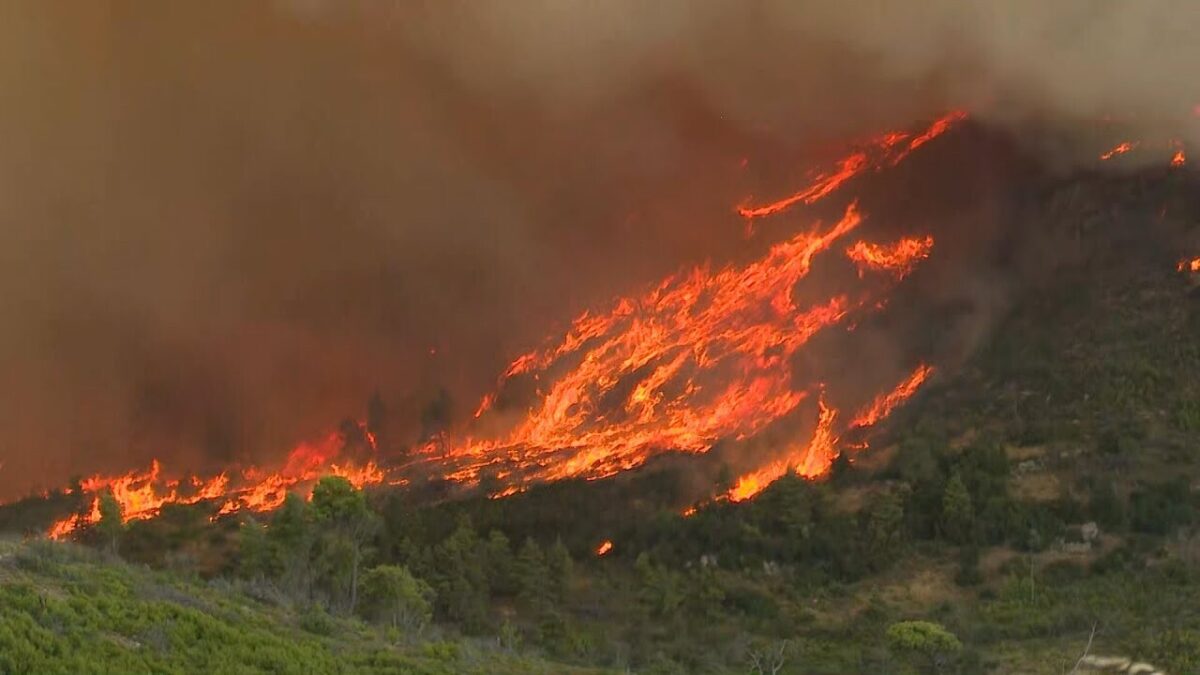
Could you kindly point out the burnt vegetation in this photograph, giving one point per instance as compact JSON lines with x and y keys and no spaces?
{"x":1039,"y":499}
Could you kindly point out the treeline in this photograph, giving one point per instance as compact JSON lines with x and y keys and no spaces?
{"x":676,"y":593}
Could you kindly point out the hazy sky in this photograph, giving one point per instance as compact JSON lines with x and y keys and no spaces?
{"x":224,"y":224}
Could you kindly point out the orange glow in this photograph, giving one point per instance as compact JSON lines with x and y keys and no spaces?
{"x":485,"y":405}
{"x":740,"y":325}
{"x":603,"y":549}
{"x":704,"y":356}
{"x":1120,"y":149}
{"x":142,"y":494}
{"x":809,"y":459}
{"x":1189,"y":265}
{"x":899,"y":258}
{"x":883,"y":405}
{"x":1178,"y":159}
{"x":881,"y":152}
{"x":814,"y":458}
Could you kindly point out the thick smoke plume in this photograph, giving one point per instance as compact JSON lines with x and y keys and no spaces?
{"x":226,"y":224}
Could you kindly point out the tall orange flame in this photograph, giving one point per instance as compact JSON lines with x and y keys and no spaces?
{"x":706,"y":355}
{"x":883,"y":151}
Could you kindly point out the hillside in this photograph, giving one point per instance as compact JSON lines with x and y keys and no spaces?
{"x":67,"y":609}
{"x":1038,"y":498}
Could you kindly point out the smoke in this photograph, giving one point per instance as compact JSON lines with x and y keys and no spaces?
{"x":226,"y":224}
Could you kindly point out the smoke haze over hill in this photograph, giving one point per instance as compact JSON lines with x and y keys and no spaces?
{"x":226,"y":225}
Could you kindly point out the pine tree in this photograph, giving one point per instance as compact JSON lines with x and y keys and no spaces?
{"x":534,"y":589}
{"x":501,"y":567}
{"x":460,"y":577}
{"x":111,"y":523}
{"x":560,"y":567}
{"x":292,"y":537}
{"x":256,"y":558}
{"x":958,"y":515}
{"x":884,"y":530}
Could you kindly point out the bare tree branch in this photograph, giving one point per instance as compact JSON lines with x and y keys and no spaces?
{"x":1086,"y":649}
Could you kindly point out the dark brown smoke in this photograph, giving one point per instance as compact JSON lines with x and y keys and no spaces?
{"x":226,"y":224}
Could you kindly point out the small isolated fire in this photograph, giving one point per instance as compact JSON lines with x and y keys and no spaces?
{"x":1119,"y":149}
{"x":899,"y":258}
{"x":603,"y":549}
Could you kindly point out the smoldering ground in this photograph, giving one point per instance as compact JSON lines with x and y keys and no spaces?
{"x":225,"y":224}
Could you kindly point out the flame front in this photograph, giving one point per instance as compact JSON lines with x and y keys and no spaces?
{"x":703,"y":356}
{"x":142,"y":494}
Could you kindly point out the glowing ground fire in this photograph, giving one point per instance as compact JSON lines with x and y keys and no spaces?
{"x":702,"y":357}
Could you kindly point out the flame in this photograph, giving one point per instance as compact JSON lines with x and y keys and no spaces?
{"x":899,"y":258}
{"x":142,"y":494}
{"x":743,"y":323}
{"x":1120,"y":149}
{"x":706,"y":355}
{"x":701,"y":357}
{"x":814,"y":458}
{"x":485,"y":405}
{"x":809,"y":460}
{"x":1189,"y":265}
{"x":883,"y":405}
{"x":881,"y":152}
{"x":603,"y":549}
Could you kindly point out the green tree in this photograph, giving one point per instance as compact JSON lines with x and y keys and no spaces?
{"x":958,"y":515}
{"x":292,"y":538}
{"x":392,"y":592}
{"x":348,"y":524}
{"x":501,"y":567}
{"x":925,"y":644}
{"x":661,"y":590}
{"x":256,"y":555}
{"x":884,"y":530}
{"x":560,"y":567}
{"x":534,"y":590}
{"x":459,"y":577}
{"x":111,"y":523}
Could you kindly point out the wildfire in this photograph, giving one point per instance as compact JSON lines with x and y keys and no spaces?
{"x":885,"y":150}
{"x":142,"y":494}
{"x":706,"y":355}
{"x":603,"y":549}
{"x":814,"y":458}
{"x":701,"y":357}
{"x":809,"y":459}
{"x":882,"y":406}
{"x":899,"y":258}
{"x":1120,"y":149}
{"x":1189,"y":265}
